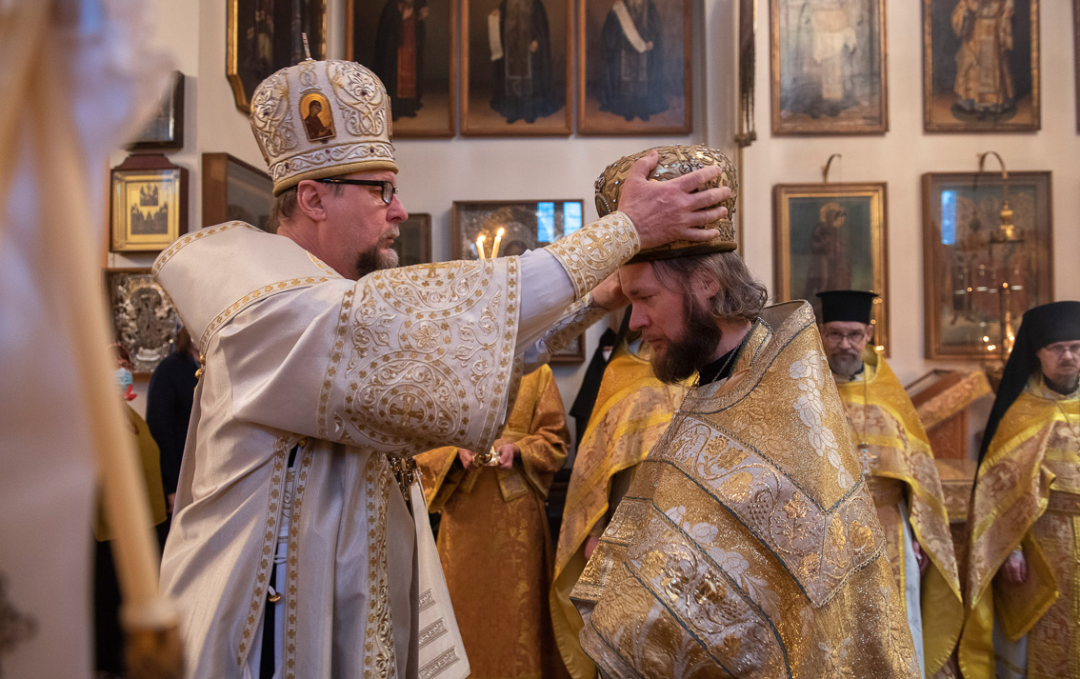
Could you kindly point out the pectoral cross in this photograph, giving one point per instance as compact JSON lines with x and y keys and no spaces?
{"x":864,"y":456}
{"x":406,"y":409}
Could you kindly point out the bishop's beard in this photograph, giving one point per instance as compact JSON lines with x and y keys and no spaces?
{"x":682,"y":358}
{"x":375,"y":259}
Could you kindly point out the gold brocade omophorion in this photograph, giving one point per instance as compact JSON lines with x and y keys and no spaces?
{"x":902,"y":468}
{"x":1027,"y":496}
{"x":633,"y":409}
{"x":748,"y":544}
{"x":494,"y":542}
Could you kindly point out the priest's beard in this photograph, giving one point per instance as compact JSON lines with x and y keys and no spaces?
{"x":682,"y":358}
{"x":375,"y":259}
{"x":1066,"y":386}
{"x":845,"y":362}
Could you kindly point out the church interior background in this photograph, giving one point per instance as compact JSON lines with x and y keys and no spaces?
{"x":437,"y":172}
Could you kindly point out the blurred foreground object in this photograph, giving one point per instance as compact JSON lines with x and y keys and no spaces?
{"x":78,"y":77}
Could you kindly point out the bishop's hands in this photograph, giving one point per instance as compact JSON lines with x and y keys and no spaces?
{"x":1014,"y":570}
{"x":676,"y":209}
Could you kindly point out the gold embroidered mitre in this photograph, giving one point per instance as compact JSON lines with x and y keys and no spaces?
{"x":322,"y":119}
{"x":675,"y":161}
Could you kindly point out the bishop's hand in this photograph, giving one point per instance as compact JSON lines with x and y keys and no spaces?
{"x":466,"y":457}
{"x":675,"y":209}
{"x":1014,"y":570}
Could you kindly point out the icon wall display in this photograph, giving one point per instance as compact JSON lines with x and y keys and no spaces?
{"x":634,"y":74}
{"x":828,"y":67}
{"x":232,"y":190}
{"x":411,"y":45}
{"x":482,"y":229}
{"x":515,"y":67}
{"x":148,"y":204}
{"x":1076,"y":61}
{"x":144,"y":318}
{"x":981,"y":65}
{"x":265,"y":36}
{"x":963,"y":270}
{"x":413,"y":243}
{"x":165,"y":130}
{"x":832,"y":237}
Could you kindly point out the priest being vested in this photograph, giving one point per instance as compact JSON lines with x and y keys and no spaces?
{"x":292,"y":551}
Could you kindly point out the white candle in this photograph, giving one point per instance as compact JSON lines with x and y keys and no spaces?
{"x":498,"y":240}
{"x":480,"y":245}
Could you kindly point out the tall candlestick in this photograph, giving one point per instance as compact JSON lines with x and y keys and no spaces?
{"x":498,"y":240}
{"x":480,"y":245}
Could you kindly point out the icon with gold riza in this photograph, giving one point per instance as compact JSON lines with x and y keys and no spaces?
{"x":675,"y":161}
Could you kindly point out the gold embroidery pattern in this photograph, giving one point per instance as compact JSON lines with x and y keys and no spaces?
{"x":426,"y":342}
{"x":593,"y":253}
{"x":338,"y":154}
{"x":266,"y":560}
{"x":291,"y":568}
{"x":180,"y":243}
{"x":365,"y":106}
{"x":324,"y":266}
{"x":380,"y":659}
{"x":261,"y":292}
{"x":819,"y":547}
{"x":271,"y":119}
{"x":810,"y":373}
{"x":335,"y":360}
{"x":578,"y":316}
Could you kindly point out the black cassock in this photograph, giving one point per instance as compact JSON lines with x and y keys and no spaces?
{"x":390,"y":38}
{"x":632,"y":83}
{"x":522,"y":85}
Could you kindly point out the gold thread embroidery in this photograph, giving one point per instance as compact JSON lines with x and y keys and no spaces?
{"x":262,"y":292}
{"x":593,"y":253}
{"x":180,"y":243}
{"x":380,"y":659}
{"x":292,"y":566}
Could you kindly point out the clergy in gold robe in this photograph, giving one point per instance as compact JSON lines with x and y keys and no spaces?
{"x":1024,"y":561}
{"x":494,"y":540}
{"x":293,"y":550}
{"x":896,"y":459}
{"x":632,"y":410}
{"x":747,"y":544}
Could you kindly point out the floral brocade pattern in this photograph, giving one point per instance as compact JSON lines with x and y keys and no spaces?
{"x":423,"y":347}
{"x":750,"y":556}
{"x":595,"y":252}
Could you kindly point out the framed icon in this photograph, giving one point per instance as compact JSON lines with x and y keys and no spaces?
{"x":964,"y":270}
{"x":413,"y":243}
{"x":232,"y":190}
{"x":634,"y":75}
{"x":149,"y":204}
{"x":981,"y":66}
{"x":832,"y":237}
{"x":829,"y":67}
{"x":515,"y":67}
{"x":145,"y":320}
{"x":411,"y":45}
{"x":265,"y":36}
{"x":165,"y":130}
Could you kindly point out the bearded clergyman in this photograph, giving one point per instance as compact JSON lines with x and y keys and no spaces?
{"x":1023,"y":586}
{"x":896,"y":459}
{"x":747,"y":544}
{"x":293,"y":549}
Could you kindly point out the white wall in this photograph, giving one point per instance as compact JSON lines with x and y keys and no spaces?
{"x":434,"y":173}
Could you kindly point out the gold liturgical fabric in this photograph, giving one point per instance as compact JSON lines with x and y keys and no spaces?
{"x":633,"y":409}
{"x":1027,"y":496}
{"x":902,"y":468}
{"x":494,"y":541}
{"x":748,"y":545}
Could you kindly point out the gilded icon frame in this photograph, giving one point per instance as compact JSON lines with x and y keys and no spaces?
{"x":809,"y":108}
{"x":942,"y":108}
{"x":478,"y":116}
{"x":144,"y":318}
{"x":961,"y":281}
{"x":593,"y":20}
{"x":437,"y":116}
{"x":862,"y":233}
{"x":135,"y":224}
{"x":234,"y":190}
{"x":244,"y":68}
{"x":529,"y":224}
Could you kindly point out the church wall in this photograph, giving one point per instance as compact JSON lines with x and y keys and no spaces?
{"x":434,"y":173}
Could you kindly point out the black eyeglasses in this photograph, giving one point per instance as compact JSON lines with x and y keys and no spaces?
{"x":388,"y":188}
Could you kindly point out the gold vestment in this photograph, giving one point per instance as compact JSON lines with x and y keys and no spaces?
{"x":633,"y":409}
{"x":494,"y":541}
{"x":1027,"y":496}
{"x":902,"y":468}
{"x":748,"y":545}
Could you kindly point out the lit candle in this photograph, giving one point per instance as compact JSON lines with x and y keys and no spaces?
{"x":480,"y":245}
{"x":498,"y":239}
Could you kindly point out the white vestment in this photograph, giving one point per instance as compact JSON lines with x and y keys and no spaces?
{"x":355,"y":372}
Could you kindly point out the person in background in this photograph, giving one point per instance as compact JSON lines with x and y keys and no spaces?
{"x":168,"y":408}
